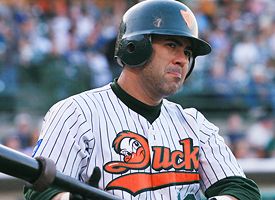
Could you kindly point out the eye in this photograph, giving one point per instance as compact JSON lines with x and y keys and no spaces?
{"x":188,"y":53}
{"x":172,"y":45}
{"x":135,"y":145}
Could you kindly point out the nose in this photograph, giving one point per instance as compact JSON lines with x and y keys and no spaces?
{"x":181,"y":58}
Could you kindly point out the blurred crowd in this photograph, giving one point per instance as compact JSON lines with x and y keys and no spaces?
{"x":241,"y":67}
{"x":24,"y":134}
{"x":255,"y":139}
{"x":57,"y":48}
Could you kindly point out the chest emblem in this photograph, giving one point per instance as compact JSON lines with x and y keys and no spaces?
{"x":134,"y":149}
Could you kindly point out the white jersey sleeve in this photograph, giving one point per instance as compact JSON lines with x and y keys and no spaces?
{"x":65,"y":138}
{"x":216,"y":159}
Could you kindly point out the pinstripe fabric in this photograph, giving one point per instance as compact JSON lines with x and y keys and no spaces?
{"x":78,"y":134}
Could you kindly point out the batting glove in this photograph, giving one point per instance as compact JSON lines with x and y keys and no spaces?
{"x":93,"y":181}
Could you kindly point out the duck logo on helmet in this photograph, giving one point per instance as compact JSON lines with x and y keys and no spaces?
{"x":187,"y":18}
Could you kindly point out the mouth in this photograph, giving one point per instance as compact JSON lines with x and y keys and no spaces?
{"x":175,"y":72}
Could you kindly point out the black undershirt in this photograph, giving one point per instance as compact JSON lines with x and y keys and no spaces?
{"x":151,"y":113}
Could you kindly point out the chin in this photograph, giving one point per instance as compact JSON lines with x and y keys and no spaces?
{"x":171,"y":90}
{"x":169,"y":87}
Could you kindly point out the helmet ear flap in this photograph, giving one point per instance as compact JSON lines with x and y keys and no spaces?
{"x":134,"y":51}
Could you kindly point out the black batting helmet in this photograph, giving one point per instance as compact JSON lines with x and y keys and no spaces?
{"x":161,"y":17}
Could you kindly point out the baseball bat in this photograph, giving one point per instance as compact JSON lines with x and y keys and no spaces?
{"x":21,"y":166}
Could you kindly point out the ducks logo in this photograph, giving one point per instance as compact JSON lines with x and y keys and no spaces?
{"x":136,"y":153}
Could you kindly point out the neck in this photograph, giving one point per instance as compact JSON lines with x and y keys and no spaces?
{"x":130,"y":81}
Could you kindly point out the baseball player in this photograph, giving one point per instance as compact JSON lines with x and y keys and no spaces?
{"x":145,"y":146}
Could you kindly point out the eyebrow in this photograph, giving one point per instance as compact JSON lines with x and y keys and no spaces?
{"x":178,"y":42}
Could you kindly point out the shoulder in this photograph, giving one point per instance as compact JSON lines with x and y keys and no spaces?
{"x":81,"y":101}
{"x":93,"y":93}
{"x":191,"y":113}
{"x":87,"y":95}
{"x":173,"y":105}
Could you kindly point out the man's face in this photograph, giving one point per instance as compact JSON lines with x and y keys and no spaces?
{"x":165,"y":73}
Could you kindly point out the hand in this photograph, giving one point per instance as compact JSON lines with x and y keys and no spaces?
{"x":93,"y":181}
{"x":225,"y":197}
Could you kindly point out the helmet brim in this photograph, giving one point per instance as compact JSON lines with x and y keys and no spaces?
{"x":199,"y":46}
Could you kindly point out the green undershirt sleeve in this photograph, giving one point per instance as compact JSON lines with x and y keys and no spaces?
{"x":48,"y":194}
{"x":236,"y":186}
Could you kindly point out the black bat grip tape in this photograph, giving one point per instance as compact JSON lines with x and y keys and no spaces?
{"x":47,"y":175}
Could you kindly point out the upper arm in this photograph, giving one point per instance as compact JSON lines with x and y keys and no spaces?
{"x":48,"y":194}
{"x":216,"y":159}
{"x":238,"y":187}
{"x":65,"y":138}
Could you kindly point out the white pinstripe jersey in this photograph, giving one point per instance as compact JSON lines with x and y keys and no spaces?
{"x":178,"y":154}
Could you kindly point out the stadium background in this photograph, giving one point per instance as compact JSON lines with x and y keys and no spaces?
{"x":51,"y":49}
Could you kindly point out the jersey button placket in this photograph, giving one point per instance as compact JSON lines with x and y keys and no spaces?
{"x":152,"y":133}
{"x":152,"y":137}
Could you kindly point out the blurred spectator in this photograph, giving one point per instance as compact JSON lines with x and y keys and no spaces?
{"x":235,"y":128}
{"x":260,"y":88}
{"x":241,"y":149}
{"x":23,"y":125}
{"x":245,"y":53}
{"x":25,"y":136}
{"x":235,"y":134}
{"x":100,"y":71}
{"x":220,"y":42}
{"x":218,"y":81}
{"x":34,"y":138}
{"x":239,"y":80}
{"x":270,"y":149}
{"x":60,"y":26}
{"x":12,"y":141}
{"x":260,"y":134}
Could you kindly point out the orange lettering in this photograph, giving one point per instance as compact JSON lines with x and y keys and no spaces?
{"x":177,"y":156}
{"x":186,"y":159}
{"x":191,"y":154}
{"x":161,"y":159}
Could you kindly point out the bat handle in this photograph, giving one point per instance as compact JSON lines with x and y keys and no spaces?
{"x":47,"y":174}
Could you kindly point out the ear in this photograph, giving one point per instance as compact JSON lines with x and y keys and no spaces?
{"x":134,"y":51}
